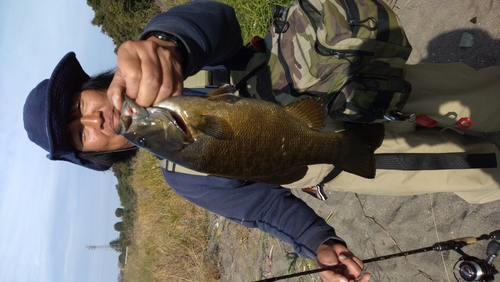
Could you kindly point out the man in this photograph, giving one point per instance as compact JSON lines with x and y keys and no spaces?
{"x":178,"y":43}
{"x":68,"y":119}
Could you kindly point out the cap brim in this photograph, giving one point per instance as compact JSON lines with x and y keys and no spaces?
{"x":66,"y":80}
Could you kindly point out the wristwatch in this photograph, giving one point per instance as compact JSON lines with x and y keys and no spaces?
{"x":166,"y":37}
{"x":178,"y":43}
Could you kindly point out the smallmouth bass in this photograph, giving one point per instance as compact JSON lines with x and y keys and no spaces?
{"x":248,"y":139}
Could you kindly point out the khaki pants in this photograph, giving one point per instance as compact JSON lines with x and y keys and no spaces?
{"x":444,"y":92}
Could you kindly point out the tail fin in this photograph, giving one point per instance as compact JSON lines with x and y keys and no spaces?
{"x":358,"y":147}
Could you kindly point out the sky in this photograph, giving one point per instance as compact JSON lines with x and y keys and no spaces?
{"x":50,"y":211}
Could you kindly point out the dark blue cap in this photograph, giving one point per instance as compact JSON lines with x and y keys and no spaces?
{"x":46,"y":109}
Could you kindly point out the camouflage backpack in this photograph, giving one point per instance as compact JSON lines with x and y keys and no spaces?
{"x":351,"y":52}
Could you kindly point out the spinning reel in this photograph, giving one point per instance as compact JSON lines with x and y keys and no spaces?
{"x":474,"y":269}
{"x":469,"y":268}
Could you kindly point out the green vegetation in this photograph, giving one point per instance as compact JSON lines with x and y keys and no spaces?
{"x":255,"y":17}
{"x":124,"y":20}
{"x":123,"y":172}
{"x":119,"y":212}
{"x":169,"y":235}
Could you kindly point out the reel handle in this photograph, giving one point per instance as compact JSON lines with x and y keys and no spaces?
{"x":492,"y":251}
{"x":495,"y":234}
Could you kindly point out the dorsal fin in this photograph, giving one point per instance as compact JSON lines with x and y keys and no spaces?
{"x":223,"y":94}
{"x":310,"y":110}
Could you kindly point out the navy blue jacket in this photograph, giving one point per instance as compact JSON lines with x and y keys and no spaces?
{"x":212,"y":36}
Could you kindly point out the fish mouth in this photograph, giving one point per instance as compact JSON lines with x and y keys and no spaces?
{"x":179,"y":122}
{"x":130,"y":108}
{"x":126,"y":121}
{"x":131,"y":112}
{"x":123,"y":125}
{"x":127,"y":115}
{"x":173,"y":118}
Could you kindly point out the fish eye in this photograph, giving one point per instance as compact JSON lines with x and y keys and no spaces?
{"x":142,"y":142}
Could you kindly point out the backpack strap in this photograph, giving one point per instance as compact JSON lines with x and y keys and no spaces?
{"x":427,"y":161}
{"x":422,"y":161}
{"x":244,"y":80}
{"x":434,"y":161}
{"x":319,"y":193}
{"x":172,"y":167}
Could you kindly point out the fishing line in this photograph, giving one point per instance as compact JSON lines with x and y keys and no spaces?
{"x":469,"y":269}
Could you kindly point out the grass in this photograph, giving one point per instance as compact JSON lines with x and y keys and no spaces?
{"x":169,"y":234}
{"x":254,"y":16}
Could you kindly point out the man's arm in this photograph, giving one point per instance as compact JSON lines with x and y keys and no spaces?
{"x":151,"y":70}
{"x":208,"y":30}
{"x":273,"y":210}
{"x":270,"y":208}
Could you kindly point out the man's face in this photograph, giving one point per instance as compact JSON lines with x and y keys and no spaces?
{"x":92,"y":122}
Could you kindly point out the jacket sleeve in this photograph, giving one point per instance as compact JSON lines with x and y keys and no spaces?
{"x":208,"y":30}
{"x":270,"y":208}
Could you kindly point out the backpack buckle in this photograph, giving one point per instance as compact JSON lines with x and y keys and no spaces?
{"x":280,"y":26}
{"x":397,"y":115}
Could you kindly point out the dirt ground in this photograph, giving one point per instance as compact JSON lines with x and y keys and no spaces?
{"x":379,"y":225}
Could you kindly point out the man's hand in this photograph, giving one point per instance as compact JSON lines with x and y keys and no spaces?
{"x":148,"y":71}
{"x":332,"y":253}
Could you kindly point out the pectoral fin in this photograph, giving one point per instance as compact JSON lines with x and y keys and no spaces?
{"x":215,"y":127}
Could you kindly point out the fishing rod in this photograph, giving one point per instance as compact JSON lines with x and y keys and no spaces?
{"x":470,"y":268}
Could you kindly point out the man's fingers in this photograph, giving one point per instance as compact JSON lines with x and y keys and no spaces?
{"x":172,"y":77}
{"x":148,"y":71}
{"x":152,"y":75}
{"x":365,"y":277}
{"x":358,"y":262}
{"x":354,"y":265}
{"x":115,"y":90}
{"x":128,"y":74}
{"x":130,"y":67}
{"x":331,"y":276}
{"x":161,"y":73}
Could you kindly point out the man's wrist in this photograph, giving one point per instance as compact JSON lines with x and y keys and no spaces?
{"x":332,"y":242}
{"x":165,"y":37}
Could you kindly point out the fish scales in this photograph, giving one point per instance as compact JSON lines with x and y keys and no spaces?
{"x":250,"y":139}
{"x":266,"y":138}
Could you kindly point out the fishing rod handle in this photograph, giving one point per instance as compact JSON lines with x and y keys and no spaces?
{"x":461,"y":242}
{"x":454,"y":244}
{"x":467,"y":240}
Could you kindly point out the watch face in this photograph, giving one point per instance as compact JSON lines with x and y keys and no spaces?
{"x":166,"y":37}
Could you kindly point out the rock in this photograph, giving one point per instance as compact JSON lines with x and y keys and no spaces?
{"x":467,"y":40}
